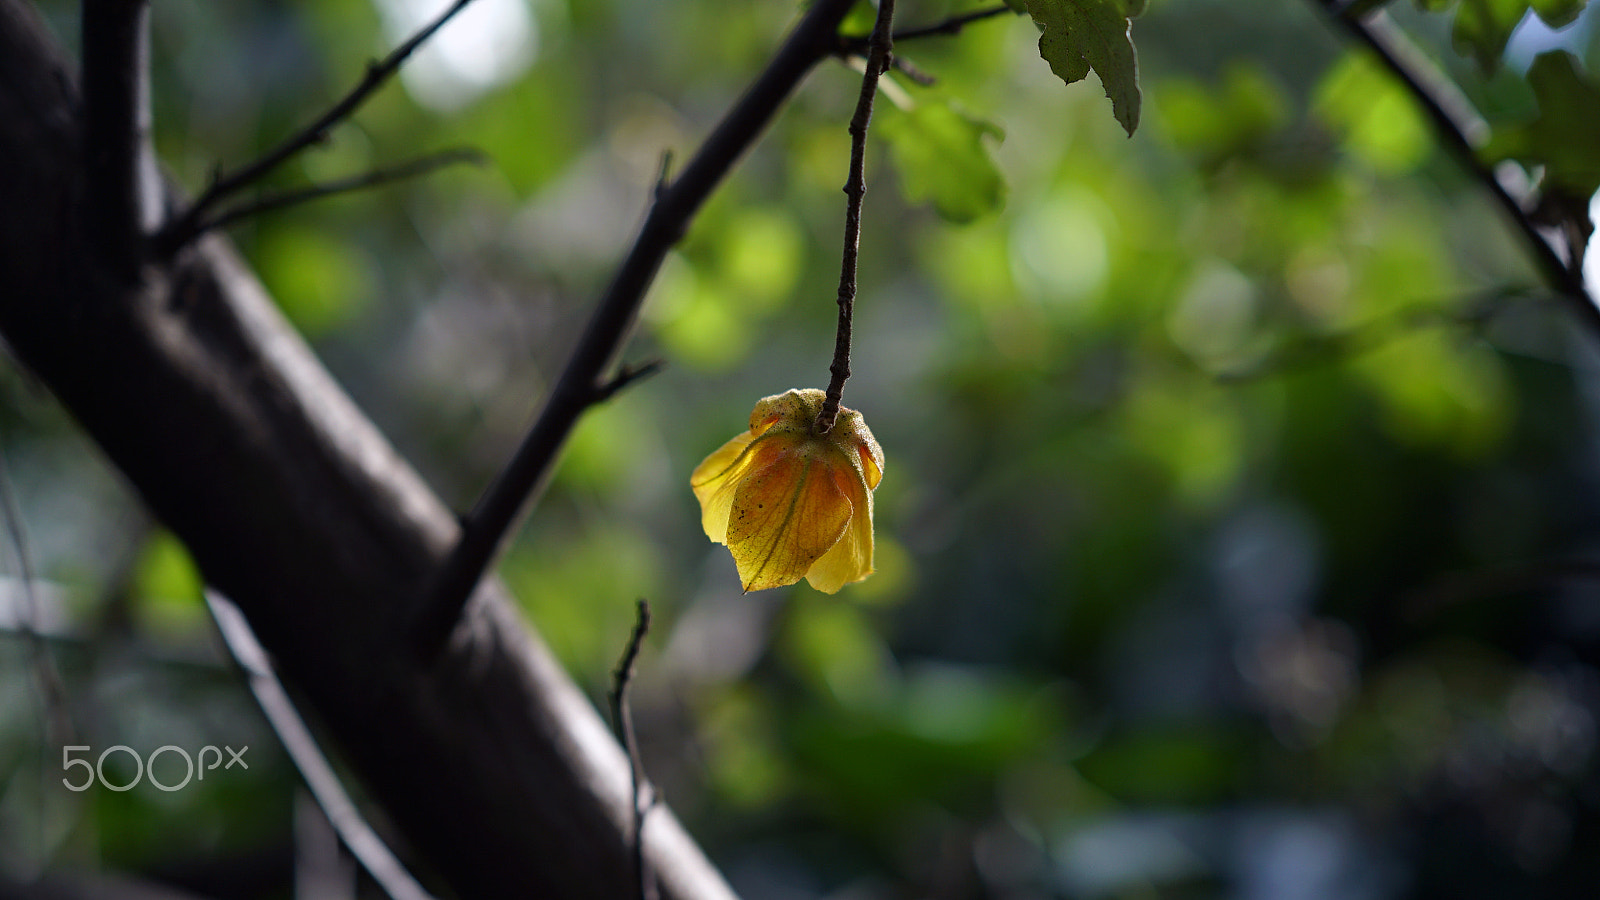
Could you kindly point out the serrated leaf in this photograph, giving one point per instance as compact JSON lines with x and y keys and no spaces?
{"x":1080,"y":35}
{"x":942,"y":157}
{"x":1565,"y":137}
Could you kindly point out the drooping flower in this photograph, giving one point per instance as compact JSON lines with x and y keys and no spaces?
{"x":790,"y":502}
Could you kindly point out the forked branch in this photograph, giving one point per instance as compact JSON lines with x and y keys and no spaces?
{"x":583,"y":380}
{"x":406,"y":170}
{"x":1375,"y":33}
{"x":187,"y":226}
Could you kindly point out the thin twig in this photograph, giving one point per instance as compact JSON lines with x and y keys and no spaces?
{"x":626,"y":376}
{"x":622,"y":722}
{"x":1374,"y":33}
{"x":879,"y":51}
{"x":410,"y":169}
{"x":945,"y":28}
{"x":486,"y":529}
{"x":363,"y":842}
{"x":904,"y":67}
{"x":186,"y":227}
{"x":116,"y":128}
{"x":952,"y":25}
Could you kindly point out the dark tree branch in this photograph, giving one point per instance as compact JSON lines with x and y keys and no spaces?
{"x":363,"y":843}
{"x":494,"y":518}
{"x":1373,"y":33}
{"x":879,"y":52}
{"x":189,"y":225}
{"x":491,"y":763}
{"x":118,"y":165}
{"x":622,"y":724}
{"x":410,"y":169}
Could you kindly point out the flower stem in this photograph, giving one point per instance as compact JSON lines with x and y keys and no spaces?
{"x":878,"y":56}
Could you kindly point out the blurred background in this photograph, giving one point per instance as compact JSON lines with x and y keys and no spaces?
{"x":1238,"y":533}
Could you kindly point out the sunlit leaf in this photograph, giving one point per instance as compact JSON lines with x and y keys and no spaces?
{"x":1080,"y":35}
{"x":942,"y":157}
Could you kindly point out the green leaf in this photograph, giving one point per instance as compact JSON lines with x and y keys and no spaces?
{"x":1565,"y":137}
{"x":1483,"y":27}
{"x":942,"y":157}
{"x":1084,"y":34}
{"x":1557,"y":13}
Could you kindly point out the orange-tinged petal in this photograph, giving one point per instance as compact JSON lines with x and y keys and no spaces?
{"x":851,"y":558}
{"x":785,"y":516}
{"x":850,"y":431}
{"x":791,"y":503}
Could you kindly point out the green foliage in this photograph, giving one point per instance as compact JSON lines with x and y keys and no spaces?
{"x":167,"y":586}
{"x":941,"y":155}
{"x":1374,"y":116}
{"x":1080,"y":35}
{"x":1239,"y":474}
{"x":1565,"y":138}
{"x":1482,"y":27}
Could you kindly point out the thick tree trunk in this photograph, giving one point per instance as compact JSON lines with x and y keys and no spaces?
{"x":491,"y":762}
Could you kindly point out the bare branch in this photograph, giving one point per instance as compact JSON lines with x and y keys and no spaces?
{"x":119,"y":167}
{"x":409,"y":169}
{"x":363,"y":843}
{"x":187,"y":226}
{"x":625,"y":377}
{"x":294,"y":506}
{"x":879,"y":52}
{"x":952,"y":25}
{"x":525,"y":476}
{"x":858,"y":46}
{"x":622,"y":724}
{"x":1377,"y":34}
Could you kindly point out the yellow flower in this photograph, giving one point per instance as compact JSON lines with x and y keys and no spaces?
{"x":791,"y":503}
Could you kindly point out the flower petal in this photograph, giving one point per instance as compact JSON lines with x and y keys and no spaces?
{"x":851,"y":558}
{"x":795,"y":408}
{"x":850,"y":431}
{"x":714,"y":482}
{"x":784,"y":516}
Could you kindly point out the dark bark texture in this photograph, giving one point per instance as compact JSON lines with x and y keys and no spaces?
{"x":490,"y":763}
